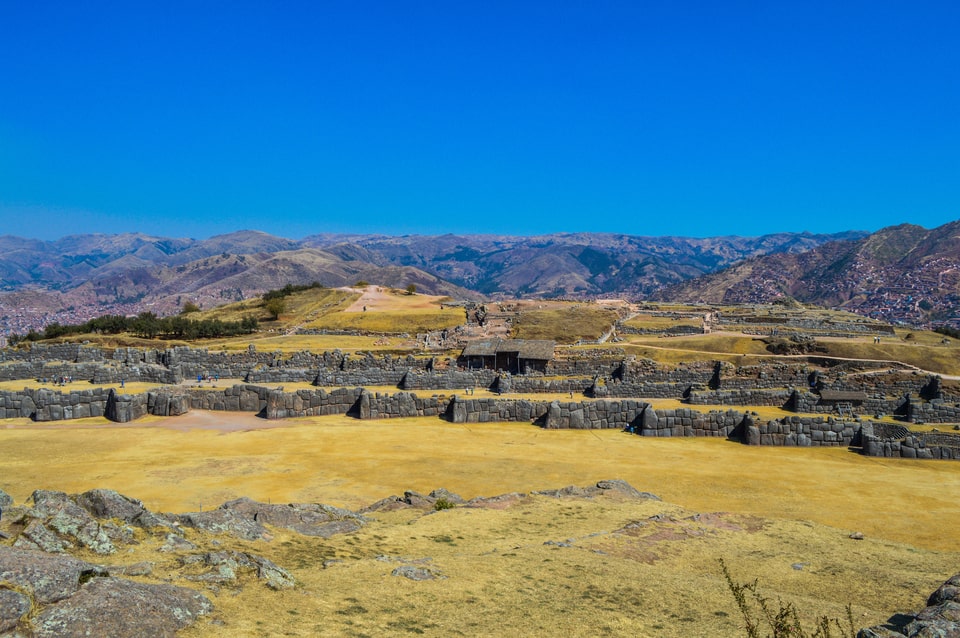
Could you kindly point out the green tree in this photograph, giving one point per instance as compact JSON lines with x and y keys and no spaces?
{"x":275,"y":307}
{"x":189,"y":307}
{"x":412,"y":289}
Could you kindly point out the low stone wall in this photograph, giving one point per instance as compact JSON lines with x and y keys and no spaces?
{"x":593,"y":415}
{"x":280,"y":405}
{"x":687,"y":422}
{"x":798,"y":431}
{"x":281,"y":375}
{"x":914,"y":446}
{"x":49,"y":405}
{"x":354,"y":401}
{"x":933,"y":412}
{"x":741,"y":397}
{"x":487,"y":410}
{"x":400,"y":405}
{"x":539,"y":385}
{"x":357,"y":378}
{"x":71,"y":352}
{"x":877,"y":438}
{"x":237,"y":398}
{"x":447,"y":380}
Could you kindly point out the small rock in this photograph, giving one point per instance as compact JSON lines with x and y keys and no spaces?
{"x":857,"y":536}
{"x":414,"y":573}
{"x":13,"y":606}
{"x":177,"y":543}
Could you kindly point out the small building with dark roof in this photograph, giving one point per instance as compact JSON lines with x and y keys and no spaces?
{"x":516,"y":356}
{"x":842,"y":396}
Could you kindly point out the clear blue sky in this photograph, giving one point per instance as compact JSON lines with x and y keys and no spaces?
{"x":191,"y":119}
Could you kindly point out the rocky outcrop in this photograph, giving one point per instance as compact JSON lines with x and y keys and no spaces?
{"x":246,"y":518}
{"x":612,"y":487}
{"x":47,"y":595}
{"x":45,"y":592}
{"x":223,"y":567}
{"x":118,"y":608}
{"x":940,"y":619}
{"x":309,"y":519}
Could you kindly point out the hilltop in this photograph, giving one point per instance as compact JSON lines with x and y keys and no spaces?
{"x":84,"y":276}
{"x":902,"y":274}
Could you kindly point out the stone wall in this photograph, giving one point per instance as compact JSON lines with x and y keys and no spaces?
{"x":486,"y":410}
{"x":936,"y":411}
{"x":447,"y":380}
{"x":914,"y":446}
{"x":741,"y":397}
{"x":49,"y":405}
{"x":687,"y":422}
{"x":877,"y":438}
{"x":71,"y":352}
{"x":796,"y":431}
{"x":593,"y":415}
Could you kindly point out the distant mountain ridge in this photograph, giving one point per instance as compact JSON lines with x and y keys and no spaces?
{"x":901,"y":273}
{"x":127,"y":273}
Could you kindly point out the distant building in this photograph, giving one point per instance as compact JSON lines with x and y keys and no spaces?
{"x":516,"y":356}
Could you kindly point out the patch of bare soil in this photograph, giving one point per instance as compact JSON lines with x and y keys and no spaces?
{"x":380,"y":299}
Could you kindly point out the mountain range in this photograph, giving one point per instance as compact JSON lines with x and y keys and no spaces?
{"x":903,"y":273}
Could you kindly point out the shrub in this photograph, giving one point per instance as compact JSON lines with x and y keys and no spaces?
{"x":783,"y":621}
{"x":443,"y":504}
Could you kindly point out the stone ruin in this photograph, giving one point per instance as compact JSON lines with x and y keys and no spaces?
{"x":606,"y":390}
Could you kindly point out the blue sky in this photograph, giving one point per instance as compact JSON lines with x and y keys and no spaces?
{"x":191,"y":119}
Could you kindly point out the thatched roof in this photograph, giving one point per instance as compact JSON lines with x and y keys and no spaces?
{"x":481,"y":348}
{"x":540,"y":349}
{"x":840,"y":395}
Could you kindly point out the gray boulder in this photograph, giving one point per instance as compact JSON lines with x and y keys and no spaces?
{"x":5,"y":500}
{"x":620,"y":486}
{"x":118,"y":608}
{"x":617,"y":487}
{"x":225,"y":521}
{"x":309,"y":519}
{"x":13,"y":607}
{"x":49,"y":578}
{"x":63,"y":516}
{"x":226,"y":566}
{"x":414,"y":573}
{"x":105,"y":504}
{"x":940,"y":619}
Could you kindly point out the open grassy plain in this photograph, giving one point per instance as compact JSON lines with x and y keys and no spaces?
{"x":535,"y":566}
{"x":780,"y":514}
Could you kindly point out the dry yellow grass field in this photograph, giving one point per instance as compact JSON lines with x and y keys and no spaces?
{"x":564,"y":324}
{"x":655,"y":322}
{"x":174,"y":464}
{"x":788,"y":506}
{"x":785,"y":507}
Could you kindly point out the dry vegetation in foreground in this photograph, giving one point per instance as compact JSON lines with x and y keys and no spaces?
{"x":639,"y":568}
